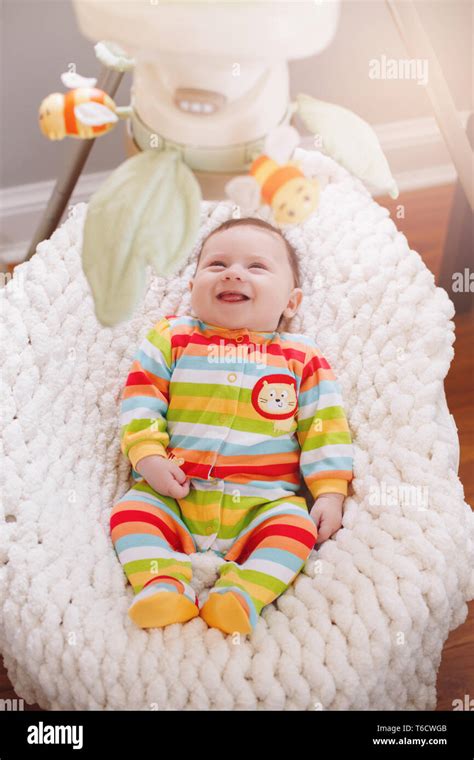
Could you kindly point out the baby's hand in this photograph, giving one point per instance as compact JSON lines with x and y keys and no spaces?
{"x":164,"y":476}
{"x":326,"y":513}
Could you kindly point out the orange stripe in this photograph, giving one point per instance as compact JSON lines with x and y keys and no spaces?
{"x":277,"y":180}
{"x":258,"y":163}
{"x":125,"y":529}
{"x":130,"y":391}
{"x":241,"y":600}
{"x":208,"y":457}
{"x":69,"y":117}
{"x":332,"y":475}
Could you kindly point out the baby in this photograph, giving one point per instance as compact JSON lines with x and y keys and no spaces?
{"x":221,"y":417}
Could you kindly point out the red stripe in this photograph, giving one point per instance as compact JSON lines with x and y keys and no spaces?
{"x":138,"y":378}
{"x":317,"y":362}
{"x":182,"y":340}
{"x":288,"y":353}
{"x":135,"y":515}
{"x":161,"y":578}
{"x":269,"y":469}
{"x":196,"y":470}
{"x":302,"y":535}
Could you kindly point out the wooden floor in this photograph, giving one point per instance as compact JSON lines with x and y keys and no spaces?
{"x":425,"y":221}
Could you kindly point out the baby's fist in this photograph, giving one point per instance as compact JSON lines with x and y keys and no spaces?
{"x":326,"y":513}
{"x":164,"y":476}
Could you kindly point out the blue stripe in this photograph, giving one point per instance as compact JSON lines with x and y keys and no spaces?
{"x":268,"y":485}
{"x":149,"y":402}
{"x":331,"y":463}
{"x":276,"y":446}
{"x":152,"y":366}
{"x":184,"y":320}
{"x":280,"y":556}
{"x":140,"y":539}
{"x":229,"y":363}
{"x":312,"y":395}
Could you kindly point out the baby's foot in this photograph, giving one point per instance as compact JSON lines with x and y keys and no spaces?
{"x":224,"y":611}
{"x":153,"y":608}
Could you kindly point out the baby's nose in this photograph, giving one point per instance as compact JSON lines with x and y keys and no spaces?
{"x":234,"y":271}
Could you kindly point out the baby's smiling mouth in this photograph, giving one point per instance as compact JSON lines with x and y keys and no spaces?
{"x":232,"y":296}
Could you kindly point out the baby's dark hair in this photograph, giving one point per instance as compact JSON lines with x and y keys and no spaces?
{"x":254,"y":222}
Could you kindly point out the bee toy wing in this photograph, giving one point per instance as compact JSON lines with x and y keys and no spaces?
{"x":281,"y":142}
{"x":245,"y":192}
{"x":94,"y":114}
{"x":72,"y":80}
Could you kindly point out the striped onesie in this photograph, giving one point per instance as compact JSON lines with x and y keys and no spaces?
{"x":246,"y":415}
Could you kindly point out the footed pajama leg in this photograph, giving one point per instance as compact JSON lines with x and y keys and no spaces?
{"x":152,"y":543}
{"x":262,"y":563}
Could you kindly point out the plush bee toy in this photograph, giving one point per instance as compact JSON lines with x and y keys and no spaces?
{"x":283,"y":186}
{"x":85,"y":112}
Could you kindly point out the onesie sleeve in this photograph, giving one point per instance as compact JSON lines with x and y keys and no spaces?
{"x":145,"y":397}
{"x":326,"y":459}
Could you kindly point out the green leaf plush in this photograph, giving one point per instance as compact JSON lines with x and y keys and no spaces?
{"x":146,"y":213}
{"x":349,"y":140}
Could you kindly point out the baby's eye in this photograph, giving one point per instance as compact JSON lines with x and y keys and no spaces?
{"x":216,"y":264}
{"x":257,"y":264}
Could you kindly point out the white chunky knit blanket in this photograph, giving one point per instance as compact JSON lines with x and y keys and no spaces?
{"x":363,"y":625}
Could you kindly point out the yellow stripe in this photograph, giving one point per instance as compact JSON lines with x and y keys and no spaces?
{"x":261,"y":593}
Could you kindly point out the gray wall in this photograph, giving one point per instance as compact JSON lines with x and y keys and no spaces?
{"x":40,"y":38}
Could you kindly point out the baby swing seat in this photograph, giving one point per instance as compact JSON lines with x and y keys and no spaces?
{"x":363,"y":625}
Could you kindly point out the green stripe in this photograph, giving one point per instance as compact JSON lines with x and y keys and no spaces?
{"x":331,"y":413}
{"x":142,"y":423}
{"x":243,"y":424}
{"x":204,"y":389}
{"x":168,"y":500}
{"x":162,"y":341}
{"x":207,"y":527}
{"x":227,"y":501}
{"x":143,"y":565}
{"x":318,"y":440}
{"x":253,"y":576}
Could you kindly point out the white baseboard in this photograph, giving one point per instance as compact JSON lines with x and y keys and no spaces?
{"x":414,"y":148}
{"x":21,"y":209}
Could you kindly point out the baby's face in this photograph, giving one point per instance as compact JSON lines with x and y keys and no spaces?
{"x":244,"y":279}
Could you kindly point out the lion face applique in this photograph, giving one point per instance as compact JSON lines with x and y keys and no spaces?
{"x":274,"y":397}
